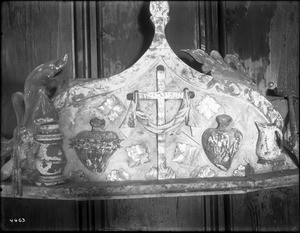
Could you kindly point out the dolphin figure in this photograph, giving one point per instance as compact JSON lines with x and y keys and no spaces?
{"x":42,"y":78}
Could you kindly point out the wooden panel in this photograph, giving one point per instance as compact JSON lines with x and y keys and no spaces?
{"x":38,"y":215}
{"x":258,"y":33}
{"x":163,"y":214}
{"x":126,"y":34}
{"x":27,"y":28}
{"x":264,"y":36}
{"x":32,"y":33}
{"x":284,"y":46}
{"x":183,"y":213}
{"x":64,"y":39}
{"x":185,"y":29}
{"x":211,"y":26}
{"x":85,"y":39}
{"x":275,"y":209}
{"x":182,"y":31}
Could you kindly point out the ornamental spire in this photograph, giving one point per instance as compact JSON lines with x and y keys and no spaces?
{"x":159,"y":11}
{"x":159,"y":16}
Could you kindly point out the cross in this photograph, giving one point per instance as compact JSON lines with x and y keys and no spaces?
{"x":160,"y":95}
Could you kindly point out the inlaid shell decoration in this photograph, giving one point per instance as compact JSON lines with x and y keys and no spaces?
{"x":152,"y":174}
{"x":112,"y":108}
{"x":243,"y":170}
{"x":184,"y":154}
{"x":208,"y":107}
{"x":240,"y":171}
{"x":137,"y":155}
{"x":202,"y":172}
{"x":222,"y":143}
{"x":118,"y":175}
{"x":166,"y":173}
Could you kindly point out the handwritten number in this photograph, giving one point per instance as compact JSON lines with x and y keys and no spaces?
{"x":17,"y":220}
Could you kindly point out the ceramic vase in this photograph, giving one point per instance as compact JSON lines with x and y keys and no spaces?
{"x":51,"y":159}
{"x":95,"y":147}
{"x":221,"y":143}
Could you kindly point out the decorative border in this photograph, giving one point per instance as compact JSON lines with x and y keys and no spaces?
{"x":162,"y":188}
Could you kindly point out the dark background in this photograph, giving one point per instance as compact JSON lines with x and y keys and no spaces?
{"x":103,"y":39}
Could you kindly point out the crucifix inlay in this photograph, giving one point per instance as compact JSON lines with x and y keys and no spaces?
{"x":161,"y":126}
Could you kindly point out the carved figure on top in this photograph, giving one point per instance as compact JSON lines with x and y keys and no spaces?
{"x":42,"y":78}
{"x":159,"y":11}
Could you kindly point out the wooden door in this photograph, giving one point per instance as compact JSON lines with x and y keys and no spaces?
{"x":103,"y":39}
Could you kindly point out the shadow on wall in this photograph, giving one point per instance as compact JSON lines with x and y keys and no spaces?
{"x":8,"y":117}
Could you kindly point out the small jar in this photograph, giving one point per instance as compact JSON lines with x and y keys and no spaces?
{"x":51,"y":159}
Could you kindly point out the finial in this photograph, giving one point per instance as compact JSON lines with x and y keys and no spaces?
{"x":159,"y":11}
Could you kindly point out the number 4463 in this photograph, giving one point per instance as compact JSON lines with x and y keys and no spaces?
{"x":17,"y":220}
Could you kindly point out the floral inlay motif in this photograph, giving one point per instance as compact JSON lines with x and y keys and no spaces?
{"x":112,"y":108}
{"x":240,"y":171}
{"x":137,"y":155}
{"x":208,"y":107}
